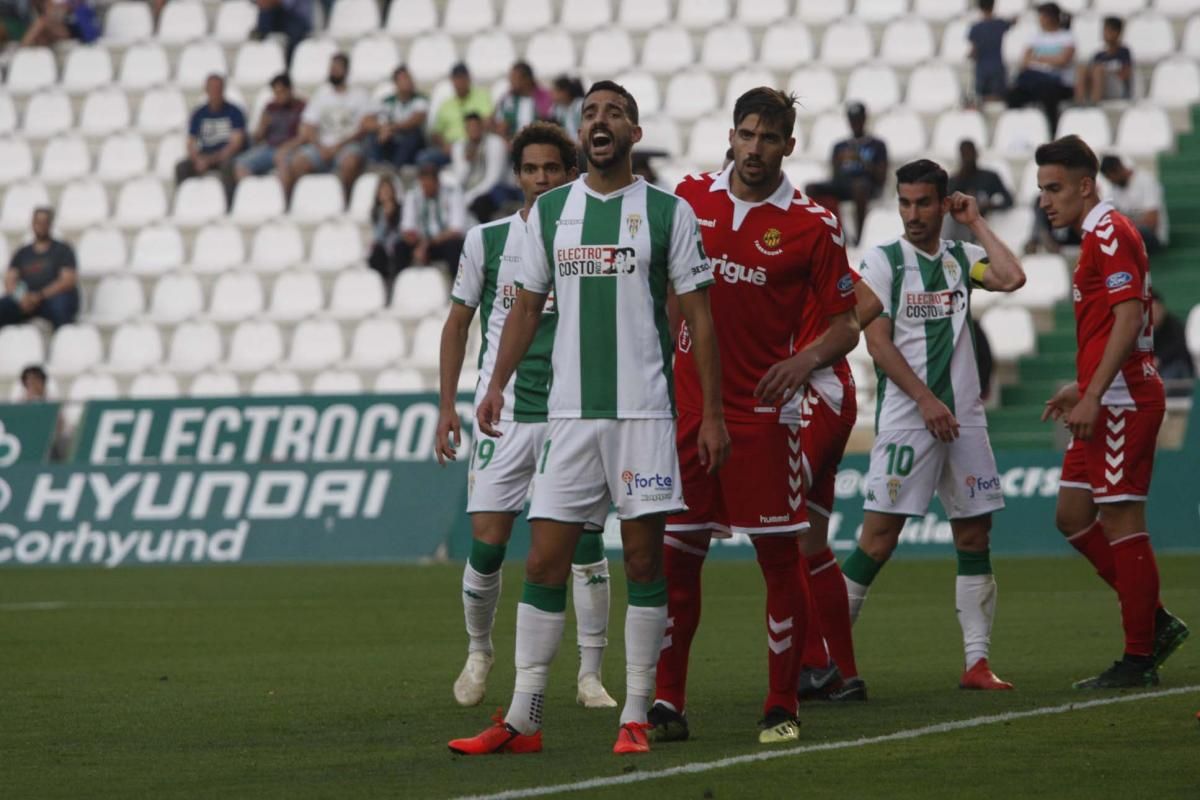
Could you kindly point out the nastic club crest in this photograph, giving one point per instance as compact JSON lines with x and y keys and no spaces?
{"x":633,"y":222}
{"x":772,"y":237}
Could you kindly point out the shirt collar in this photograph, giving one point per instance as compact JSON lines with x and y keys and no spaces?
{"x":1096,"y":214}
{"x":781,"y":198}
{"x":638,"y":180}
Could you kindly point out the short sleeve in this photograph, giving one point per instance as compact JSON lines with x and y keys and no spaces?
{"x":194,"y":124}
{"x":1116,"y":251}
{"x":687,"y":263}
{"x":312,"y":111}
{"x":456,"y":209}
{"x":237,"y":118}
{"x":66,"y":257}
{"x":535,"y":267}
{"x":468,"y":282}
{"x":876,"y":272}
{"x":831,"y":279}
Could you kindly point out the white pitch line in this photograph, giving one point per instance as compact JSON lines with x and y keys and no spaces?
{"x":770,"y":755}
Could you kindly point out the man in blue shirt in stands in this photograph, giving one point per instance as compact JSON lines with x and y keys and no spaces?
{"x":216,"y":134}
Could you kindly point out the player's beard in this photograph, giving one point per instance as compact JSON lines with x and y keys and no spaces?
{"x":619,"y":149}
{"x":766,"y":175}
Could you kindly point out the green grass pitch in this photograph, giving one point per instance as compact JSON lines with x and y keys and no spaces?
{"x":335,"y":682}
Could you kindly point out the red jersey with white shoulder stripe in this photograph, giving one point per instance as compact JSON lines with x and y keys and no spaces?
{"x":774,"y":263}
{"x":1113,"y":268}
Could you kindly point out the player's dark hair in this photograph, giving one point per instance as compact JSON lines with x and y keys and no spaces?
{"x":772,"y":106}
{"x":987,"y":6}
{"x":1070,"y":152}
{"x":1115,"y":23}
{"x":925,"y":171}
{"x":631,"y":106}
{"x":544,"y":133}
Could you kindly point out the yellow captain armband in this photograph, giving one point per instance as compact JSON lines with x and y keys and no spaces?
{"x":977,"y":270}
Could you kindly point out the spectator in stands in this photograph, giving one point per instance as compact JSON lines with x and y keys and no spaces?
{"x":1138,"y":195}
{"x":41,"y":280}
{"x":1171,"y":355}
{"x":479,"y":164}
{"x":293,"y":18}
{"x":34,"y":385}
{"x":982,"y":184}
{"x":527,"y":101}
{"x":331,"y":131}
{"x":278,"y":131}
{"x":398,"y":127}
{"x":14,"y":20}
{"x":216,"y":134}
{"x":55,"y":21}
{"x":385,"y":231}
{"x":448,"y":119}
{"x":568,"y":104}
{"x":1047,"y":70}
{"x":1109,"y":76}
{"x":859,"y":169}
{"x":987,"y":51}
{"x":433,"y":220}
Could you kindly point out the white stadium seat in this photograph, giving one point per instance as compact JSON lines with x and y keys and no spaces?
{"x":489,"y":55}
{"x":376,"y":343}
{"x":955,"y":47}
{"x":162,"y":111}
{"x":465,"y":17}
{"x":87,"y":68}
{"x":101,"y":251}
{"x":1088,"y":32}
{"x":93,"y":387}
{"x":310,"y":62}
{"x":1047,"y":282}
{"x":115,"y":299}
{"x":419,"y":291}
{"x":105,"y":112}
{"x":20,"y":346}
{"x":182,"y":21}
{"x":20,"y":200}
{"x":761,"y":13}
{"x":334,"y":246}
{"x":660,"y":133}
{"x":373,"y":59}
{"x":426,"y":344}
{"x":235,"y":20}
{"x":827,"y":130}
{"x":217,"y":248}
{"x":644,"y":87}
{"x":74,"y":349}
{"x":1019,"y":131}
{"x":845,"y":44}
{"x":31,"y":70}
{"x":406,"y":20}
{"x":667,"y":50}
{"x":1177,"y":9}
{"x":1192,"y":331}
{"x":81,"y":204}
{"x":875,"y":86}
{"x":607,"y":51}
{"x":277,"y":246}
{"x":316,"y":344}
{"x":954,"y":126}
{"x":802,"y":172}
{"x":584,"y":16}
{"x":551,"y":52}
{"x":933,"y":88}
{"x":176,"y":298}
{"x":135,"y":347}
{"x":197,"y":61}
{"x":882,"y":225}
{"x":1012,"y":225}
{"x":1090,"y":124}
{"x":816,"y":89}
{"x":8,"y":115}
{"x":878,"y":11}
{"x":128,"y":21}
{"x":399,"y":381}
{"x":691,"y":95}
{"x":939,"y":10}
{"x":362,"y":197}
{"x":1144,"y":131}
{"x":904,"y":133}
{"x":743,"y":81}
{"x":255,"y":346}
{"x":235,"y":296}
{"x":337,"y":382}
{"x":257,"y":199}
{"x":64,"y":159}
{"x":156,"y":250}
{"x":643,"y":15}
{"x":699,"y":15}
{"x":48,"y":114}
{"x":1175,"y":83}
{"x":822,"y":12}
{"x":266,"y":384}
{"x":214,"y":384}
{"x":523,"y":17}
{"x":257,"y":63}
{"x":351,"y":19}
{"x":199,"y":201}
{"x":726,"y":49}
{"x":1151,"y":37}
{"x":786,"y":46}
{"x":1118,"y":7}
{"x":122,"y":156}
{"x":1010,"y":332}
{"x":296,"y":295}
{"x":154,"y":385}
{"x":906,"y":42}
{"x":316,"y":198}
{"x":16,"y":161}
{"x":356,"y":293}
{"x":1016,"y":40}
{"x":195,"y":346}
{"x":708,"y":142}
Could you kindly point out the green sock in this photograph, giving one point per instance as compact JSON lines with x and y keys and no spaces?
{"x":486,"y":558}
{"x":861,"y":568}
{"x":590,"y":548}
{"x":970,"y":563}
{"x":552,"y":599}
{"x":648,"y":595}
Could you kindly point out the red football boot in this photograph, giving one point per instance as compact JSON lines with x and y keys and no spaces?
{"x":632,"y":738}
{"x":499,"y":738}
{"x":981,"y":676}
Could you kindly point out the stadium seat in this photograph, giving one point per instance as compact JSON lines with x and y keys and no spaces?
{"x":1012,"y":225}
{"x":217,"y":248}
{"x":92,"y":387}
{"x":258,"y":62}
{"x":465,"y":17}
{"x":65,"y":159}
{"x":691,"y":95}
{"x":176,"y":297}
{"x":16,"y":160}
{"x":74,"y":349}
{"x":257,"y":199}
{"x":1017,"y":39}
{"x":337,"y":382}
{"x":234,"y":22}
{"x":266,"y":384}
{"x":1150,"y":37}
{"x":933,"y":88}
{"x":316,"y":198}
{"x":122,"y":157}
{"x":743,"y":81}
{"x":47,"y":114}
{"x":316,"y":344}
{"x":426,"y":344}
{"x":817,"y":90}
{"x":1122,"y":8}
{"x":1010,"y":332}
{"x":161,"y":111}
{"x":1047,"y":282}
{"x":357,"y":293}
{"x":822,"y":12}
{"x":827,"y":130}
{"x":1144,"y":131}
{"x":214,"y":384}
{"x":182,"y":21}
{"x":939,"y":10}
{"x":802,"y":172}
{"x":585,"y":16}
{"x":195,"y":346}
{"x":127,"y":21}
{"x":904,"y":133}
{"x":156,"y":250}
{"x":310,"y":62}
{"x":197,"y":61}
{"x":235,"y":296}
{"x":135,"y":347}
{"x":882,"y":225}
{"x":116,"y":299}
{"x":523,"y":17}
{"x":875,"y":86}
{"x":643,"y":15}
{"x":101,"y":251}
{"x":154,"y":385}
{"x":955,"y":47}
{"x":607,"y":52}
{"x":104,"y":113}
{"x":296,"y":295}
{"x":351,"y":19}
{"x":412,"y":17}
{"x":1090,"y":124}
{"x":335,"y":246}
{"x":430,"y":57}
{"x":762,"y":13}
{"x":254,"y":346}
{"x":362,"y":197}
{"x":666,"y":51}
{"x":81,"y":204}
{"x":20,"y":199}
{"x":551,"y":52}
{"x":660,"y":132}
{"x":906,"y":42}
{"x":87,"y":68}
{"x":376,"y":343}
{"x":419,"y":291}
{"x":785,"y":46}
{"x":644,"y":87}
{"x":1177,"y":9}
{"x":31,"y":70}
{"x":489,"y":55}
{"x":8,"y":114}
{"x":1087,"y":29}
{"x":1019,"y":131}
{"x":277,"y":246}
{"x":726,"y":49}
{"x":879,"y":11}
{"x":846,"y":43}
{"x":954,"y":126}
{"x":199,"y":201}
{"x":699,"y":15}
{"x":373,"y":60}
{"x":399,"y":381}
{"x":1192,"y":332}
{"x":708,"y":141}
{"x":20,"y":346}
{"x":1175,"y":83}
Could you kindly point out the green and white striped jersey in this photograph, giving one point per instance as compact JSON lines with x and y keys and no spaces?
{"x":487,"y":276}
{"x":928,"y":298}
{"x":609,"y":260}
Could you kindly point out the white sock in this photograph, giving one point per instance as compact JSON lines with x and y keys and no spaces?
{"x":856,"y":593}
{"x":644,"y":628}
{"x":590,"y":592}
{"x":480,"y":595}
{"x":538,"y":635}
{"x":975,"y":601}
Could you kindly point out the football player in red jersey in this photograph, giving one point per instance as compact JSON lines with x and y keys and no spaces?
{"x":769,"y":245}
{"x":1113,"y":410}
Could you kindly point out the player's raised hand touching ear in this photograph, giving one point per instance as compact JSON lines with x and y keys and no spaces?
{"x":964,"y":208}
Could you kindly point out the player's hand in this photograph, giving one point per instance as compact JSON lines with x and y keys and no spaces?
{"x":938,"y":419}
{"x":1082,"y":417}
{"x":449,"y":436}
{"x":488,"y":413}
{"x":784,"y":379}
{"x":964,"y":208}
{"x":712,"y":443}
{"x":1061,"y":403}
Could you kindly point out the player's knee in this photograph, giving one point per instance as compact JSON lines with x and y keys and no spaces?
{"x":880,"y":547}
{"x":643,"y":566}
{"x":1071,"y":521}
{"x":543,"y":569}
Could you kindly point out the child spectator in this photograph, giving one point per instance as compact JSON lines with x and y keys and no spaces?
{"x":1110,"y":74}
{"x":987,"y":51}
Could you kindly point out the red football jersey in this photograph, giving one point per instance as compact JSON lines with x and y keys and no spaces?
{"x":766,"y":258}
{"x":1113,"y":267}
{"x":835,"y":382}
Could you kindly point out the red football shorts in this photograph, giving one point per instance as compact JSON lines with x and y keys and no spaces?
{"x":824,"y":438}
{"x":759,"y":490}
{"x":1117,"y":462}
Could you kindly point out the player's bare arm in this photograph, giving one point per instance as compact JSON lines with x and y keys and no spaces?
{"x":453,"y":350}
{"x":785,"y":378}
{"x":1003,"y":272}
{"x":939,"y":420}
{"x":867,"y":305}
{"x":713,"y":439}
{"x":1127,"y":323}
{"x":519,"y":330}
{"x":1058,"y":406}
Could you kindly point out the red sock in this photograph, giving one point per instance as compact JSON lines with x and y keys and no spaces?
{"x":683,"y":557}
{"x":1095,"y":548}
{"x":1137,"y":586}
{"x":787,"y":590}
{"x":816,"y":654}
{"x":833,"y":608}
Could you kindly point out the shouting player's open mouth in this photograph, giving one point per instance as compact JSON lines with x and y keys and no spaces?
{"x":602,"y":142}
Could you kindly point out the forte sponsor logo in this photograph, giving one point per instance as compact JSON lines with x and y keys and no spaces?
{"x":1013,"y":482}
{"x":649,"y":486}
